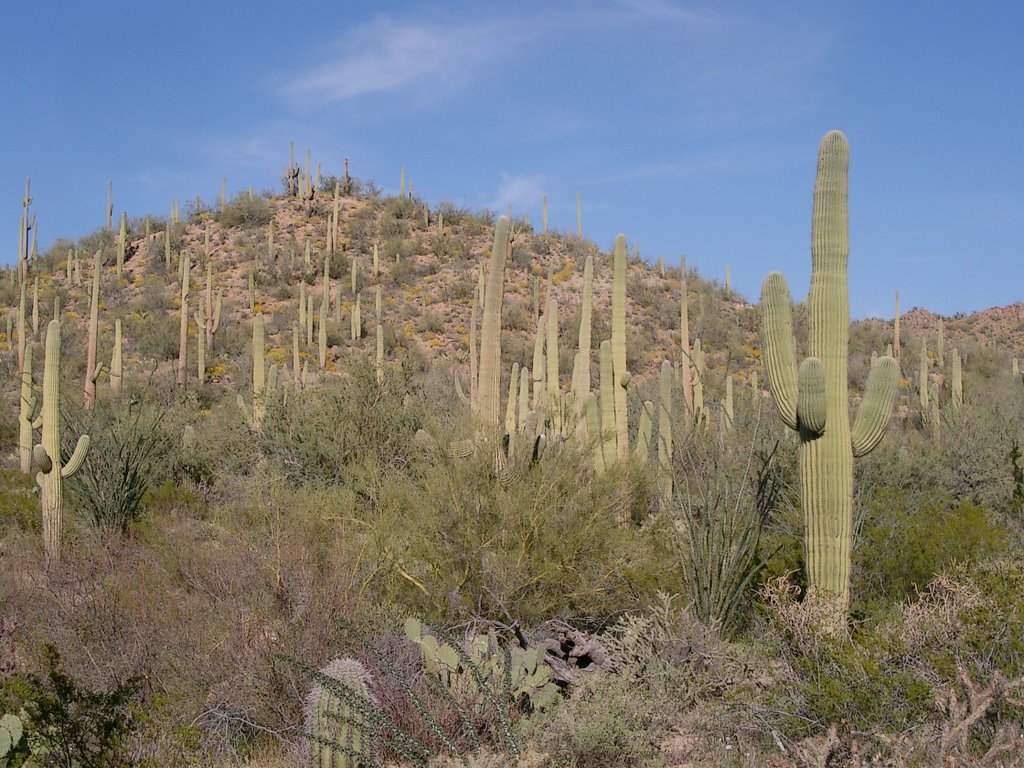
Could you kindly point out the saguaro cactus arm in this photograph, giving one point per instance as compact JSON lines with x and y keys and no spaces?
{"x":77,"y":457}
{"x":876,"y":408}
{"x":810,"y":401}
{"x":780,"y":346}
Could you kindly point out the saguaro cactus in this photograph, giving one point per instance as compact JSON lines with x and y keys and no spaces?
{"x":182,"y":373}
{"x":957,"y":382}
{"x":116,"y":360}
{"x":665,"y":431}
{"x":619,"y":373}
{"x":26,"y":414}
{"x":47,"y":456}
{"x":259,"y":378}
{"x":489,"y":386}
{"x":813,"y":399}
{"x":90,"y":355}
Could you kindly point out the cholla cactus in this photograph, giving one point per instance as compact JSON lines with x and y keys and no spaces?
{"x":336,"y":723}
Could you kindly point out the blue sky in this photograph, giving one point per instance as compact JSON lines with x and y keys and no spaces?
{"x":690,"y":127}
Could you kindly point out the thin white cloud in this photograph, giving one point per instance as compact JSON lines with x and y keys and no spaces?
{"x":663,"y":10}
{"x":388,"y":55}
{"x":519,"y":191}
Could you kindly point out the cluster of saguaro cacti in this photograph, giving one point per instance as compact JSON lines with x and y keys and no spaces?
{"x":337,"y":727}
{"x":47,"y":453}
{"x":813,"y":398}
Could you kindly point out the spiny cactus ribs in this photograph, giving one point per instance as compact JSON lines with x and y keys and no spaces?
{"x":813,"y":399}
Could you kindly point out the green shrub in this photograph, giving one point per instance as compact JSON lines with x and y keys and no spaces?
{"x":246,"y":212}
{"x":70,"y":726}
{"x":907,"y":539}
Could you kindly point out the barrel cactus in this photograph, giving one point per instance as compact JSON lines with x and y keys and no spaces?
{"x":336,"y":710}
{"x":812,"y":398}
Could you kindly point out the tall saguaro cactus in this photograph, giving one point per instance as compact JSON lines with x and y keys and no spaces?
{"x":47,"y":456}
{"x":489,"y":386}
{"x":182,"y":373}
{"x":813,"y":398}
{"x":90,"y":355}
{"x":620,"y":375}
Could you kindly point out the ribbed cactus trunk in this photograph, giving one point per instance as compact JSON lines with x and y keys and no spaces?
{"x":957,"y":382}
{"x":259,"y":372}
{"x":814,"y":399}
{"x":47,"y":454}
{"x":90,"y":354}
{"x":116,"y":361}
{"x":182,"y":373}
{"x":896,"y":347}
{"x":26,"y":414}
{"x":340,"y":733}
{"x":554,"y":391}
{"x":685,"y":371}
{"x":619,"y":373}
{"x":122,"y":242}
{"x":489,"y":392}
{"x":665,"y":447}
{"x":922,"y":382}
{"x":606,"y":428}
{"x":586,"y":325}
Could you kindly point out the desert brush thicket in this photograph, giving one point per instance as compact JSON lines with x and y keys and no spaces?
{"x":331,"y":478}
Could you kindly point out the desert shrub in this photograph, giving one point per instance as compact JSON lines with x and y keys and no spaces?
{"x":608,"y":724}
{"x":69,"y":726}
{"x":353,"y":421}
{"x":907,"y":539}
{"x":541,"y":545}
{"x":19,"y":505}
{"x":156,"y":335}
{"x":834,"y":678}
{"x":246,"y":212}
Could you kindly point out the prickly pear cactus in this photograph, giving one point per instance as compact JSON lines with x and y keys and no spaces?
{"x":530,"y":677}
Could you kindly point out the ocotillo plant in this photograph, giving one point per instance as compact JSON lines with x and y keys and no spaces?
{"x":814,"y":400}
{"x":47,"y":454}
